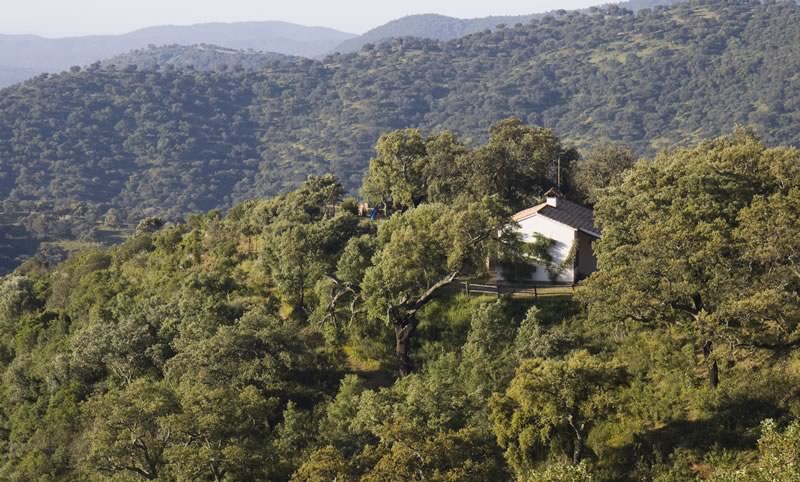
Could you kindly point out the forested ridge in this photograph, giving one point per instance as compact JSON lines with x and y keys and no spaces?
{"x":101,"y":148}
{"x":24,"y":56}
{"x":292,"y":339}
{"x":441,"y":27}
{"x":201,"y":57}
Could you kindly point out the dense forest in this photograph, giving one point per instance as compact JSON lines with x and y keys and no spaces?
{"x":24,"y":56}
{"x":441,"y":27}
{"x":94,"y":150}
{"x":292,"y":339}
{"x":201,"y":57}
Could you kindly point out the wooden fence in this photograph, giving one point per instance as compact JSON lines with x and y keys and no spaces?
{"x":524,"y":290}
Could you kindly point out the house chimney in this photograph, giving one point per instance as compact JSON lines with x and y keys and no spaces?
{"x":552,"y":196}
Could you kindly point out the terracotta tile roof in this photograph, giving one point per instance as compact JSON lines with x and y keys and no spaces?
{"x":572,"y":214}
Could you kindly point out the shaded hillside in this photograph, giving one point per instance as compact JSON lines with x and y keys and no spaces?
{"x":202,"y":57}
{"x":441,"y":27}
{"x":29,"y":53}
{"x":143,"y":143}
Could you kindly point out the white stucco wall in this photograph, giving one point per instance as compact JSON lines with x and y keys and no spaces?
{"x":564,"y":237}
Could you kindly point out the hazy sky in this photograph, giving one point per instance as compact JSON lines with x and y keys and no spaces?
{"x":53,"y":18}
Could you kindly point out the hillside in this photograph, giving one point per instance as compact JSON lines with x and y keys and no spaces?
{"x":106,"y":147}
{"x":202,"y":57}
{"x":441,"y":27}
{"x":22,"y":56}
{"x":428,"y":26}
{"x":287,"y":341}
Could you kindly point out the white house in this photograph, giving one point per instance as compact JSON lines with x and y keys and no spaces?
{"x":566,"y":231}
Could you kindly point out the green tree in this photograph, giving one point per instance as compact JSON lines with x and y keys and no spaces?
{"x":406,"y":454}
{"x":553,"y":403}
{"x":125,"y":430}
{"x":420,"y":252}
{"x":113,"y":348}
{"x":293,"y":257}
{"x":17,"y":296}
{"x":220,"y":432}
{"x":324,"y":464}
{"x":669,"y":254}
{"x":487,"y":364}
{"x":601,"y":168}
{"x":396,"y":173}
{"x":337,"y":427}
{"x":534,"y":340}
{"x":518,"y":164}
{"x":778,"y":461}
{"x":563,"y":472}
{"x":446,"y":165}
{"x":304,"y":236}
{"x":770,"y":310}
{"x":149,"y":225}
{"x":234,"y":388}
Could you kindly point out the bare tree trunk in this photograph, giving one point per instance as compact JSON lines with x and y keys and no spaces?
{"x":403,"y":333}
{"x":577,"y":455}
{"x":578,"y":443}
{"x":713,"y":375}
{"x":713,"y":369}
{"x":404,"y":320}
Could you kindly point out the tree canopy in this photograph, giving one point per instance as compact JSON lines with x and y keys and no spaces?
{"x":290,"y":338}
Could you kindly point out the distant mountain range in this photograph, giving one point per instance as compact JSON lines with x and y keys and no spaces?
{"x":23,"y":56}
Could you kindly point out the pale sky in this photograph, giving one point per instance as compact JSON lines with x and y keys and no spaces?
{"x":55,"y":18}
